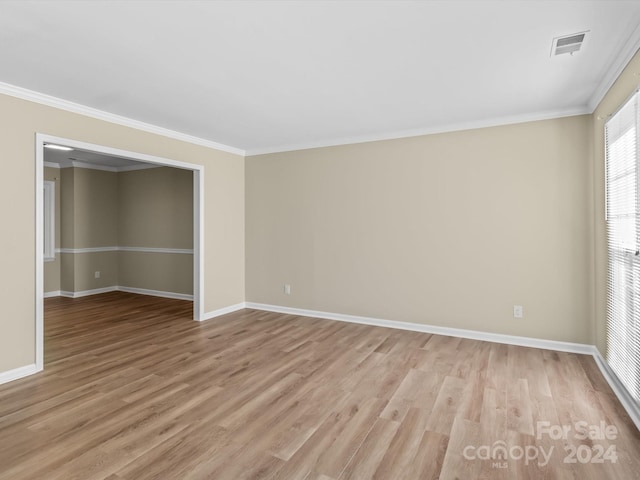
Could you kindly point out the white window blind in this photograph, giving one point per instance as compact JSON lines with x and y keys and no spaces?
{"x":623,"y":244}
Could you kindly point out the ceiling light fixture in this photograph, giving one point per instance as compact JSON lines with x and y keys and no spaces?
{"x":57,"y":147}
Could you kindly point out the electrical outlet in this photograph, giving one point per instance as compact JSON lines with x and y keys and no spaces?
{"x":517,"y":311}
{"x":287,"y":289}
{"x":96,"y":275}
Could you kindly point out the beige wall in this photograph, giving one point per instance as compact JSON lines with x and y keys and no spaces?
{"x":150,"y":208}
{"x":67,"y":229}
{"x":165,"y":272}
{"x":224,"y":212}
{"x":451,"y":229}
{"x":67,"y":207}
{"x":52,"y":268}
{"x":156,"y":210}
{"x":448,"y":229}
{"x":95,"y":218}
{"x":84,"y":267}
{"x":67,"y":273}
{"x":89,"y":219}
{"x":624,"y":86}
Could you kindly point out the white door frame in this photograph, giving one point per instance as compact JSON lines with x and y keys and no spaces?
{"x":198,"y":224}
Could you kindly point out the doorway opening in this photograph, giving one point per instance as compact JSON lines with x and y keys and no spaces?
{"x":138,"y":161}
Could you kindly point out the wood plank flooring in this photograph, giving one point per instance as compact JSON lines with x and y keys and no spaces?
{"x":134,"y":389}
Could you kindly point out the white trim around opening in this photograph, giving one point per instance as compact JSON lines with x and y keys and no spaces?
{"x":198,"y":224}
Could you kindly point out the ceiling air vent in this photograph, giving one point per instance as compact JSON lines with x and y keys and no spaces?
{"x":567,"y":44}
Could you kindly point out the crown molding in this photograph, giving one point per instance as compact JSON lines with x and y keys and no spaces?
{"x":104,"y":168}
{"x":131,"y":168}
{"x":55,"y":102}
{"x":453,"y":127}
{"x":613,"y":71}
{"x":51,"y":101}
{"x":89,"y":166}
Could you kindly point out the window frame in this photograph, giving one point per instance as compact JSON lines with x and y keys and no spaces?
{"x":623,"y":260}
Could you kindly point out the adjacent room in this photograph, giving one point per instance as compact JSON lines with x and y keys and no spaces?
{"x":116,"y":224}
{"x":320,"y":240}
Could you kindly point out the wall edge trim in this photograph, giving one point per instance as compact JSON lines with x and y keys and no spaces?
{"x":223,"y":311}
{"x":419,"y":132}
{"x":620,"y":392}
{"x":186,"y":251}
{"x":556,"y":345}
{"x":156,"y":293}
{"x":630,"y":406}
{"x":59,"y":103}
{"x":119,"y":288}
{"x":632,"y":409}
{"x":73,"y":251}
{"x":17,"y":373}
{"x":86,"y":293}
{"x":615,"y":68}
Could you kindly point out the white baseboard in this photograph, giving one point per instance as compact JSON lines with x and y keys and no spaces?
{"x":86,"y":293}
{"x":16,"y":373}
{"x":419,"y":327}
{"x":156,"y":293}
{"x":621,"y":392}
{"x":224,"y":311}
{"x":140,"y":291}
{"x":623,"y":396}
{"x":146,"y":291}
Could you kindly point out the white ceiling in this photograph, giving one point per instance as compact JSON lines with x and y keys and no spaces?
{"x":266,"y":76}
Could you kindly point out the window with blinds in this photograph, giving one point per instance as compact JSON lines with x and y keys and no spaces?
{"x":623,"y":235}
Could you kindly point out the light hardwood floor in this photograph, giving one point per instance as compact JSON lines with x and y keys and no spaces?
{"x":134,"y":389}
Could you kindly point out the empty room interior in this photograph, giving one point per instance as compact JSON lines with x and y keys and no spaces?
{"x":320,"y":240}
